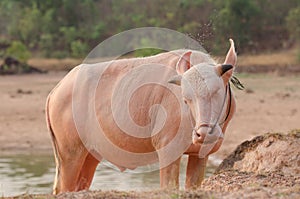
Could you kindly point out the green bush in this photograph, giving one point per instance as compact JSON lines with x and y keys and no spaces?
{"x":98,"y":30}
{"x":19,"y":51}
{"x":145,"y":48}
{"x":46,"y":44}
{"x":4,"y":43}
{"x":78,"y":49}
{"x":69,"y":33}
{"x":293,"y":23}
{"x":293,"y":26}
{"x":236,"y":18}
{"x":146,"y":52}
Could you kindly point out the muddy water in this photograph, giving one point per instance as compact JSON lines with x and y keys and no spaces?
{"x":21,"y":174}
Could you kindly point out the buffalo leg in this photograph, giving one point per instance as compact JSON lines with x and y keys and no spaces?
{"x":195,"y":171}
{"x":169,"y":175}
{"x":87,"y":172}
{"x":67,"y":171}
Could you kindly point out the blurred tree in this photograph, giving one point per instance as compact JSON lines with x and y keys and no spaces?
{"x":18,"y":51}
{"x":69,"y":27}
{"x":293,"y":23}
{"x":78,"y":49}
{"x":236,"y":19}
{"x":293,"y":26}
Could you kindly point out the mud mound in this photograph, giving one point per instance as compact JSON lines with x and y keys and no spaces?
{"x":268,"y":166}
{"x":266,"y":153}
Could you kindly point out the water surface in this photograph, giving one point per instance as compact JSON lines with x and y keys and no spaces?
{"x":21,"y":174}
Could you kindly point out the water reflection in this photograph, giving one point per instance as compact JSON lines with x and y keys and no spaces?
{"x":26,"y":174}
{"x":35,"y":173}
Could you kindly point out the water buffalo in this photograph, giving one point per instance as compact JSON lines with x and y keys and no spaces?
{"x":138,"y":111}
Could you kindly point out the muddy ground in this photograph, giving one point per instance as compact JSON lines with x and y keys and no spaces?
{"x":270,"y":103}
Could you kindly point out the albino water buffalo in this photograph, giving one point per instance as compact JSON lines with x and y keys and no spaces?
{"x":139,"y":111}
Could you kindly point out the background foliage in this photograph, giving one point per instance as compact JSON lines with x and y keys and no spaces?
{"x":62,"y":28}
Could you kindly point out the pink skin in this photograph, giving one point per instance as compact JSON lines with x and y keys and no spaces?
{"x":75,"y":164}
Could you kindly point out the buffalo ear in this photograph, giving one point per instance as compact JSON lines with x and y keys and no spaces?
{"x":176,"y":79}
{"x":184,"y":63}
{"x":231,"y":57}
{"x":229,"y":63}
{"x":222,"y":69}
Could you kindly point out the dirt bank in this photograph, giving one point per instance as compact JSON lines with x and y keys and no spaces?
{"x":266,"y":153}
{"x":267,"y":166}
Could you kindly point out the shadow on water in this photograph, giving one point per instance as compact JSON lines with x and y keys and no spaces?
{"x":35,"y":173}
